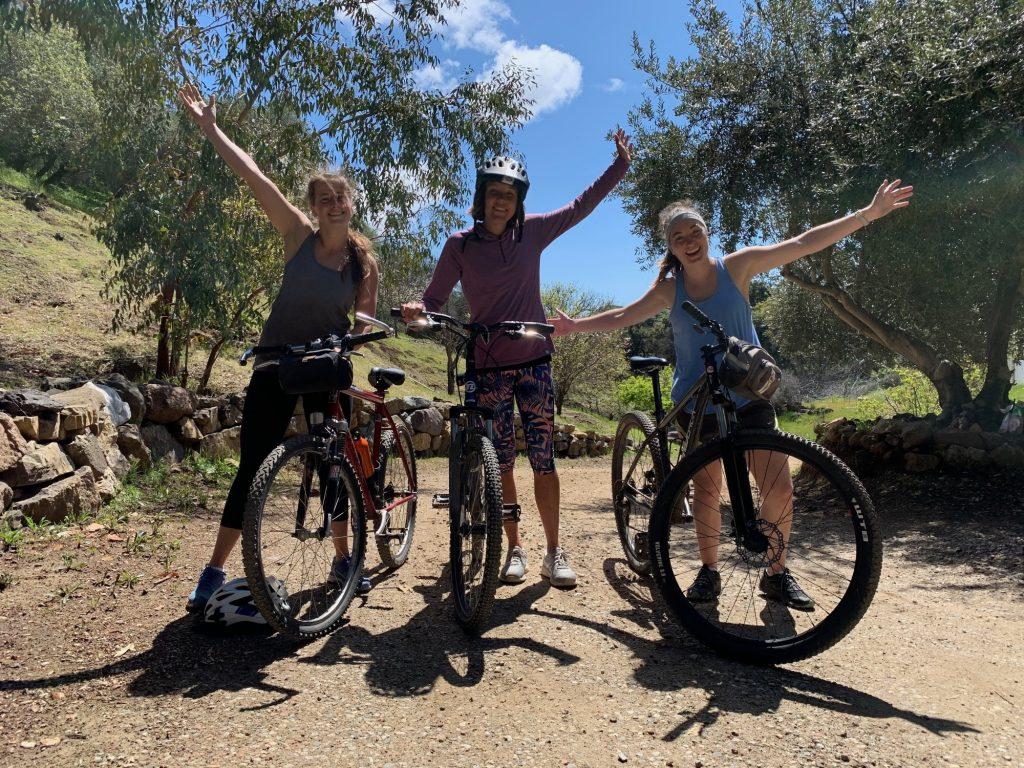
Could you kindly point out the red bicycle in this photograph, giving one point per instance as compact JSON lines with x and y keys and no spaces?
{"x":304,"y":534}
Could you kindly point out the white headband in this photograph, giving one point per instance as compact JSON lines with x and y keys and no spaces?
{"x":685,"y":216}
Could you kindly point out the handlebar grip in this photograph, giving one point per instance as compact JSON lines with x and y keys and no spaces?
{"x":363,"y":338}
{"x":694,"y":311}
{"x":396,"y":311}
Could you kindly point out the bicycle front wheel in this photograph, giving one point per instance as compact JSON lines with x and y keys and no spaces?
{"x":636,"y":478}
{"x":813,"y":522}
{"x":475,"y":522}
{"x":393,"y":483}
{"x":304,"y":512}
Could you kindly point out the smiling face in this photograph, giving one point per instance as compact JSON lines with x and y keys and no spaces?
{"x":688,"y":241}
{"x":500,"y":201}
{"x":331,"y":203}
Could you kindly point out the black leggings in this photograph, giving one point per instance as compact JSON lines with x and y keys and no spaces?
{"x":265,"y":417}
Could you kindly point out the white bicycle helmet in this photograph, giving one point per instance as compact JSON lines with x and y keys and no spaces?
{"x":232,"y":604}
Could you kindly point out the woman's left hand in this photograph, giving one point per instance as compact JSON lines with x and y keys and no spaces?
{"x":623,"y":146}
{"x":888,"y":198}
{"x":564,"y":325}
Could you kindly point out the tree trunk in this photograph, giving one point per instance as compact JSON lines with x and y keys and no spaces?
{"x":163,"y":345}
{"x":559,"y":399}
{"x":995,"y":392}
{"x":204,"y":382}
{"x":452,"y":364}
{"x":946,"y":376}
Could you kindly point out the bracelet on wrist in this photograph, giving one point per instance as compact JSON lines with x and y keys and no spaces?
{"x":861,"y":218}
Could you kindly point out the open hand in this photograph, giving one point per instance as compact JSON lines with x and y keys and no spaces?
{"x":204,"y":114}
{"x":623,"y":146}
{"x":888,"y":198}
{"x":564,"y":325}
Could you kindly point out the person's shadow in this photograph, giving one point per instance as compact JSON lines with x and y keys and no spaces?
{"x":409,"y":660}
{"x":192,"y":660}
{"x":676,"y":662}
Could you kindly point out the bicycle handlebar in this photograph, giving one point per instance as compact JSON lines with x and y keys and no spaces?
{"x":344,"y":343}
{"x":513,"y":328}
{"x":703,"y":321}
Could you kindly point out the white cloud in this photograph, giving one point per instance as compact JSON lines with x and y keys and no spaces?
{"x":614,"y":84}
{"x":475,"y":25}
{"x":439,"y":76}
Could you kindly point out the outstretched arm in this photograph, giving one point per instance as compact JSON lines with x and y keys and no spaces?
{"x":659,"y":297}
{"x":558,"y":222}
{"x":288,"y":220}
{"x":748,"y":262}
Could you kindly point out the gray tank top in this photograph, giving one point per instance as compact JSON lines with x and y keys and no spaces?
{"x":314,"y":301}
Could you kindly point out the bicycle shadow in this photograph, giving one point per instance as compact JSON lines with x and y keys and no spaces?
{"x":677,"y":662}
{"x":411,"y":659}
{"x":192,"y":661}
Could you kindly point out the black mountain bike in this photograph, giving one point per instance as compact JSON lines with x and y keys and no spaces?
{"x":755,"y":501}
{"x":474,"y":502}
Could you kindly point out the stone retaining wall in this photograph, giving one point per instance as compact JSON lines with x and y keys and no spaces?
{"x":918,"y":445}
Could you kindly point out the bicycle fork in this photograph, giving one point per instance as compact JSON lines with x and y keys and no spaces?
{"x":745,"y":528}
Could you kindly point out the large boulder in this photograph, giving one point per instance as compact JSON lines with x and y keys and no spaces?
{"x":108,"y":437}
{"x":118,"y":411}
{"x":917,"y":434}
{"x":421,"y":442}
{"x":161,"y":443}
{"x":407,"y":404}
{"x":166,"y":404}
{"x":40,"y":464}
{"x":230,"y":415}
{"x":131,"y":444}
{"x":12,"y":443}
{"x":82,"y":406}
{"x":85,"y":451}
{"x":963,"y":457}
{"x":74,"y":495}
{"x":428,"y":420}
{"x":6,"y":496}
{"x":129,"y":393}
{"x":28,"y":402}
{"x":921,"y":462}
{"x":27,"y":425}
{"x":964,"y":438}
{"x":207,"y":419}
{"x":1008,"y":457}
{"x":187,"y":431}
{"x":222,"y":445}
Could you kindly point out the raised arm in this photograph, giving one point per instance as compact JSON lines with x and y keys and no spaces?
{"x":556,"y":223}
{"x":748,"y":262}
{"x":659,"y":297}
{"x":289,"y":221}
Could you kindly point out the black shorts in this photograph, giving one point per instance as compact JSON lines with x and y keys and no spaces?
{"x":757,"y":414}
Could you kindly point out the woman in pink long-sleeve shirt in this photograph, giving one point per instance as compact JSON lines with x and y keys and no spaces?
{"x":498,"y":262}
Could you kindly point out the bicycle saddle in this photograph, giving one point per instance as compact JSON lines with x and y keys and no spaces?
{"x":382,"y":378}
{"x":647,"y":364}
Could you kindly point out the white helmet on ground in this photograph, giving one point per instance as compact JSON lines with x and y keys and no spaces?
{"x":232,"y":604}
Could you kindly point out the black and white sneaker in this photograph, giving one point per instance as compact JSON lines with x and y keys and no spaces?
{"x":706,"y":587}
{"x":783,"y":588}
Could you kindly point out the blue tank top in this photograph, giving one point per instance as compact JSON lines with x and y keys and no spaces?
{"x":726,"y":305}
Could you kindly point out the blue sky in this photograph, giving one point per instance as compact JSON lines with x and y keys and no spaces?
{"x":580,"y":52}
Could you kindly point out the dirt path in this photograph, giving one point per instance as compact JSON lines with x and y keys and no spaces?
{"x":592,"y":677}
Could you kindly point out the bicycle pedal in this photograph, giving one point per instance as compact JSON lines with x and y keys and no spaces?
{"x":440,"y":501}
{"x":511,"y":513}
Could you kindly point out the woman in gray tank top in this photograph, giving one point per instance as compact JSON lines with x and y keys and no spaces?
{"x":720,"y":287}
{"x":328,"y":272}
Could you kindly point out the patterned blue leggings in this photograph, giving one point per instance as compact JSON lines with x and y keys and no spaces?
{"x":532,"y":388}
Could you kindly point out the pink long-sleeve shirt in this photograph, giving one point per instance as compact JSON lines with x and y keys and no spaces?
{"x":501,"y":275}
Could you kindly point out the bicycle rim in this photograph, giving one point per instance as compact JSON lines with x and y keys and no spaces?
{"x":814,"y":518}
{"x":475,"y":524}
{"x":636,"y":478}
{"x":303,"y":510}
{"x":395,"y":483}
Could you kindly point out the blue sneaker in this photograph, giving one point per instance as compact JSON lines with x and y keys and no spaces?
{"x":210,"y":580}
{"x":339,"y":573}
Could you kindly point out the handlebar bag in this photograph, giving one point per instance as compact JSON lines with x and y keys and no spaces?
{"x":316,"y":372}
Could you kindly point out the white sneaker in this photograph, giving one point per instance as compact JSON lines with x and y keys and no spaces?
{"x":556,"y":568}
{"x":514,"y":570}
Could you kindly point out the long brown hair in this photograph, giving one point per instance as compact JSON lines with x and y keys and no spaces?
{"x":669,"y":263}
{"x":359,"y":245}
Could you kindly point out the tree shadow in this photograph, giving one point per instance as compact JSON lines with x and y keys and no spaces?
{"x":409,"y":660}
{"x":677,"y":662}
{"x":189,"y":659}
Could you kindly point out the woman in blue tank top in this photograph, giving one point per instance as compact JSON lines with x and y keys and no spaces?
{"x":720,"y":286}
{"x":329,"y":271}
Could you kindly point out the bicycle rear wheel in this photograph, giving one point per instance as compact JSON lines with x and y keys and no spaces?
{"x":475,"y":523}
{"x":814,"y":518}
{"x":304,"y":507}
{"x":393,"y":482}
{"x":634,"y":491}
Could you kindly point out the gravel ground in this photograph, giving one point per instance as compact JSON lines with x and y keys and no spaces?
{"x":92,"y":673}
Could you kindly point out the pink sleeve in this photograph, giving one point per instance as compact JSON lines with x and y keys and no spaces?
{"x":446,"y":274}
{"x":553,"y":224}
